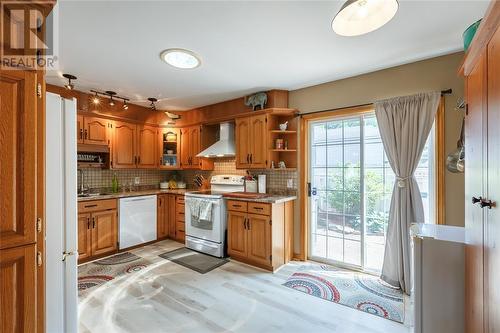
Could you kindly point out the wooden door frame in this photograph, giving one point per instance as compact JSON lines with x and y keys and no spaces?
{"x":306,"y":119}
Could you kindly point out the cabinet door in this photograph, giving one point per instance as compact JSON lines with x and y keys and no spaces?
{"x":162,"y":216}
{"x":18,"y":296}
{"x":242,"y":134}
{"x":492,"y":228}
{"x":79,"y":129}
{"x":146,"y":147}
{"x":258,"y":141}
{"x":237,"y":234}
{"x":84,"y":236}
{"x":95,"y":130}
{"x":18,"y":141}
{"x":185,"y":148}
{"x":259,"y":238}
{"x":171,"y":216}
{"x":166,"y":137}
{"x":474,"y":253}
{"x":104,"y":232}
{"x":195,"y":146}
{"x":124,"y":155}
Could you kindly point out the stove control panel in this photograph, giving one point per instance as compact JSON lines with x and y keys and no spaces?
{"x":227,"y":180}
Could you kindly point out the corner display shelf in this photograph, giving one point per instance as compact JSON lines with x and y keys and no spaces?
{"x":289,"y":155}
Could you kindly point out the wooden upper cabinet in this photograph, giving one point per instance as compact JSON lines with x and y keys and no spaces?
{"x":84,"y":236}
{"x":18,"y":296}
{"x":185,"y":148}
{"x":169,"y":148}
{"x":95,"y":131}
{"x":259,"y":238}
{"x":242,"y":137}
{"x":195,"y":146}
{"x":104,"y":232}
{"x":18,"y":141}
{"x":124,"y":145}
{"x":79,"y":129}
{"x":147,"y":151}
{"x":258,"y":141}
{"x":251,"y":142}
{"x":236,"y":233}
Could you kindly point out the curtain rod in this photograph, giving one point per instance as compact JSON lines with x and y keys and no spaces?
{"x":443,"y":92}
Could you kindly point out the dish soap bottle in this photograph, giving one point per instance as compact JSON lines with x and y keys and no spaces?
{"x":114,"y":184}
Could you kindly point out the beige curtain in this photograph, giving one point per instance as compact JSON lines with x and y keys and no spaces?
{"x":404,"y":124}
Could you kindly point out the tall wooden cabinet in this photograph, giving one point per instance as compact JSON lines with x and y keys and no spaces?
{"x":251,"y":142}
{"x":21,"y":257}
{"x":170,"y":217}
{"x":482,"y":176}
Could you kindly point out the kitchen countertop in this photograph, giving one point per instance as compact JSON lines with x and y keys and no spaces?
{"x":271,"y":198}
{"x":134,"y":194}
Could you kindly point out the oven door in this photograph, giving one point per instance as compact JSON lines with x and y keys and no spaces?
{"x":207,"y":230}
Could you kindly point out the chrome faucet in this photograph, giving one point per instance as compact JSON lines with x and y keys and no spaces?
{"x":82,"y":180}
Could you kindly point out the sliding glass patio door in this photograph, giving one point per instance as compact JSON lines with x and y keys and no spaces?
{"x":351,"y":186}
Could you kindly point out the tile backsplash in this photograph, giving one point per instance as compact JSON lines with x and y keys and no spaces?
{"x":277,"y":180}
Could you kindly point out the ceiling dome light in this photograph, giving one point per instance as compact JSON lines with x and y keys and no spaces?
{"x":358,"y":17}
{"x":180,"y":58}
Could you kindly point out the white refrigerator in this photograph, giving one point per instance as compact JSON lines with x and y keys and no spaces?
{"x":61,"y":237}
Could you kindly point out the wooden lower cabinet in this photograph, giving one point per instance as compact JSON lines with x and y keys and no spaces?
{"x":260,"y":239}
{"x":170,"y":217}
{"x":97,"y":229}
{"x":84,"y":236}
{"x":104,"y":232}
{"x":237,"y":234}
{"x":18,"y":294}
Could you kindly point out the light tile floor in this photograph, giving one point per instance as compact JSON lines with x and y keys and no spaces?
{"x":166,"y":297}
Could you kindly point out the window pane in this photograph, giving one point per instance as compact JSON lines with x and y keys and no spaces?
{"x":318,"y":156}
{"x":334,"y":155}
{"x":318,"y":133}
{"x":335,"y":179}
{"x":352,"y":155}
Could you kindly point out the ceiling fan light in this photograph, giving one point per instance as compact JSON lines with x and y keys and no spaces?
{"x":358,"y":17}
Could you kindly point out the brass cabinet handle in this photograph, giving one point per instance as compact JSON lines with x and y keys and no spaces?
{"x":248,"y":224}
{"x":93,"y":222}
{"x":245,"y":223}
{"x":86,"y":134}
{"x":81,"y":133}
{"x":88,"y":222}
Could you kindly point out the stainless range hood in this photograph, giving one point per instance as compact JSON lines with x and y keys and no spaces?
{"x":225,"y":147}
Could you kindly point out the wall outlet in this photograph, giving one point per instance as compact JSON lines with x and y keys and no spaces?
{"x":289,"y":183}
{"x":137,"y":180}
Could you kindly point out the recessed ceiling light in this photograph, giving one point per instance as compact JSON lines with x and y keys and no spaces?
{"x":180,"y":58}
{"x":358,"y":17}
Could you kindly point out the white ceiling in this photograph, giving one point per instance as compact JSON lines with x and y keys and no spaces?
{"x":245,"y":46}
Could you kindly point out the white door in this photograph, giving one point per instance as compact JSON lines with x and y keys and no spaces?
{"x":61,"y":215}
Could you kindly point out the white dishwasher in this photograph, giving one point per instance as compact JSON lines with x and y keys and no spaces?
{"x":137,"y":220}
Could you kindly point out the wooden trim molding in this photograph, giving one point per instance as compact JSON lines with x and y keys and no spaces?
{"x":349,"y":111}
{"x":483,"y":35}
{"x":440,"y":158}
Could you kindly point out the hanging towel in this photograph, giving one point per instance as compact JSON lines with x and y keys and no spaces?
{"x":206,"y":210}
{"x":194,"y":207}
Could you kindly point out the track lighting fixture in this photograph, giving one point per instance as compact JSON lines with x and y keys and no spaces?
{"x":125,"y":105}
{"x":111,"y":94}
{"x":153,"y":101}
{"x":96,"y":99}
{"x":70,"y":85}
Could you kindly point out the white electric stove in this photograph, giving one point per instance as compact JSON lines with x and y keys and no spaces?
{"x":210,"y":236}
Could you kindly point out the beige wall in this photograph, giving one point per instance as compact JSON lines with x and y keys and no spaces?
{"x":433,"y":74}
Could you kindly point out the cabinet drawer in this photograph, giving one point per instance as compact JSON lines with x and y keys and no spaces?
{"x":180,"y":226}
{"x":180,"y":199}
{"x":97,"y":205}
{"x":259,"y":208}
{"x":179,"y":214}
{"x":239,"y":206}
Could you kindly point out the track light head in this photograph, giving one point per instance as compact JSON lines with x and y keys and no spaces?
{"x":69,"y":85}
{"x":153,"y":101}
{"x":125,"y":105}
{"x":111,"y":94}
{"x":96,"y":99}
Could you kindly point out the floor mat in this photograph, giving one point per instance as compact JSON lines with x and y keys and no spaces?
{"x":359,"y":291}
{"x":96,"y":273}
{"x":199,"y":262}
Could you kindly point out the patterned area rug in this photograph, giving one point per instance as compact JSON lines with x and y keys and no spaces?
{"x":359,"y":291}
{"x":101,"y":271}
